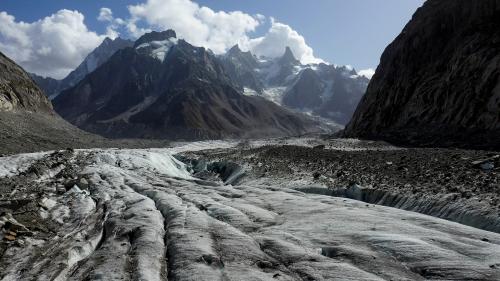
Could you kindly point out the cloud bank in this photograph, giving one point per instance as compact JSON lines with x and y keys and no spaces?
{"x":52,"y":46}
{"x":201,"y":26}
{"x":217,"y":31}
{"x":57,"y":44}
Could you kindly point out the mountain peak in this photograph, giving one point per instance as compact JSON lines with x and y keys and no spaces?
{"x":246,"y":58}
{"x":234,"y":50}
{"x":155,"y":36}
{"x":107,"y":40}
{"x":114,"y":43}
{"x":288,"y":57}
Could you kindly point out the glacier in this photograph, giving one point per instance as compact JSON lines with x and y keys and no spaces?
{"x":142,"y":215}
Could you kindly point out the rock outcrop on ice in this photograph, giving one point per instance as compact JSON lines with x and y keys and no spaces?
{"x":438,"y":82}
{"x":164,"y":87}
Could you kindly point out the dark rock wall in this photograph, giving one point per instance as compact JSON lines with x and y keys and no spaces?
{"x":438,"y":83}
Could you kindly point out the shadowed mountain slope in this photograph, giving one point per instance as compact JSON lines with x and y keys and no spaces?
{"x":438,"y":83}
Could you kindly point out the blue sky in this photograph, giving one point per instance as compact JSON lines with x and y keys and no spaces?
{"x":353,"y":32}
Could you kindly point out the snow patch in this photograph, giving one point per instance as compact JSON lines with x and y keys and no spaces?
{"x":274,"y":94}
{"x":159,"y":161}
{"x":158,"y":49}
{"x":249,"y":92}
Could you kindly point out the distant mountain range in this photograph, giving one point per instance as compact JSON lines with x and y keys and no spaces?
{"x":163,"y":87}
{"x":321,"y":89}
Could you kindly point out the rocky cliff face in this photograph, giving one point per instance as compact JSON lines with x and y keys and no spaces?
{"x":240,"y":67}
{"x":18,"y":92}
{"x":306,"y":92}
{"x":438,"y":83}
{"x":166,"y":88}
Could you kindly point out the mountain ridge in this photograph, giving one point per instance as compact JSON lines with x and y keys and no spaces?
{"x":332,"y":92}
{"x":133,"y":95}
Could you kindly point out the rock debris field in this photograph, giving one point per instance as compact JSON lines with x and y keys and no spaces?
{"x":122,"y":214}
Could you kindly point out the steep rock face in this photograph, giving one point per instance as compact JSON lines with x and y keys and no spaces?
{"x":167,"y":88}
{"x":327,"y":91}
{"x":240,"y":67}
{"x":344,"y":90}
{"x":306,"y":92}
{"x":18,"y":92}
{"x":438,"y":83}
{"x":52,"y":87}
{"x":286,"y":67}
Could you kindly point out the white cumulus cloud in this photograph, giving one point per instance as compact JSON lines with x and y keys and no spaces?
{"x":368,"y":73}
{"x":105,"y":14}
{"x":52,"y":46}
{"x":198,"y":25}
{"x":274,"y":42}
{"x":57,"y":44}
{"x":217,"y":31}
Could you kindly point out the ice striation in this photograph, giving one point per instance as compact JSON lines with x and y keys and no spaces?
{"x":141,"y":215}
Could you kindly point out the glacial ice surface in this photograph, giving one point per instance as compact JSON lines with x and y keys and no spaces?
{"x":146,"y":218}
{"x":13,"y":165}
